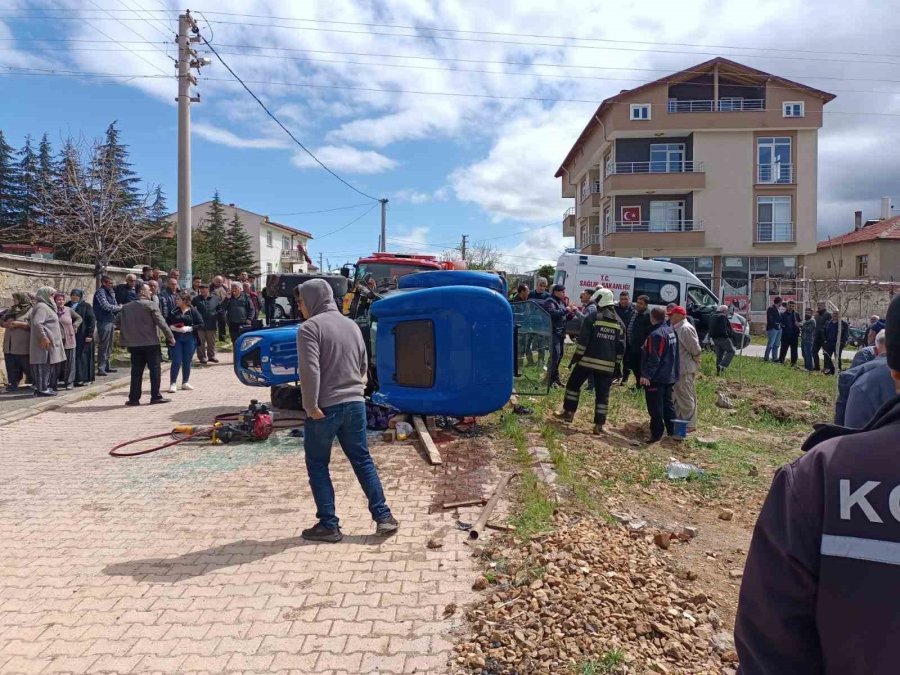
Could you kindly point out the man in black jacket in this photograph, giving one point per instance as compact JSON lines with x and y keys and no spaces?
{"x":722,"y":335}
{"x":636,"y":332}
{"x":625,"y":311}
{"x":659,"y":373}
{"x":773,"y":330}
{"x":239,"y":311}
{"x":790,"y":333}
{"x":822,"y":317}
{"x":556,"y":307}
{"x":84,"y":338}
{"x":816,"y":593}
{"x":208,"y":306}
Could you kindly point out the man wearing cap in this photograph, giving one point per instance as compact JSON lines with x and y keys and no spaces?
{"x":598,"y":355}
{"x":816,"y":593}
{"x":557,"y":308}
{"x":689,"y":352}
{"x":722,"y":335}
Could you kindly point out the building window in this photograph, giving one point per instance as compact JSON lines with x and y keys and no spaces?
{"x":666,"y":157}
{"x":285,"y":243}
{"x":607,"y":220}
{"x":773,"y":220}
{"x":269,"y":238}
{"x":773,"y":160}
{"x":731,"y":103}
{"x":640,"y":111}
{"x":793,"y":109}
{"x":828,"y":264}
{"x":268,"y":268}
{"x":862,"y":265}
{"x":667,"y":216}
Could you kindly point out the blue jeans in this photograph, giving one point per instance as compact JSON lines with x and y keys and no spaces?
{"x":773,"y":344}
{"x":347,"y":422}
{"x":181,"y":355}
{"x":807,"y":347}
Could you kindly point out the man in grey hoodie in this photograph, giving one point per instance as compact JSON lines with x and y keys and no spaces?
{"x":333,"y":364}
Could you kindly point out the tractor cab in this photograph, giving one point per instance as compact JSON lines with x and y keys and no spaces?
{"x":443,"y":343}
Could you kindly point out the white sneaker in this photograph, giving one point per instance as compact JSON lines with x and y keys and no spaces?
{"x":187,"y":386}
{"x":173,"y":388}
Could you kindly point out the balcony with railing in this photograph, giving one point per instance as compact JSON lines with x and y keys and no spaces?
{"x":591,"y":244}
{"x":775,"y":174}
{"x":568,"y":222}
{"x":675,"y":234}
{"x":657,"y":175}
{"x":291,"y":255}
{"x":591,"y":193}
{"x":733,"y":104}
{"x":775,"y":233}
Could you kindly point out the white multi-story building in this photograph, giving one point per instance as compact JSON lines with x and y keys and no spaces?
{"x":274,"y":244}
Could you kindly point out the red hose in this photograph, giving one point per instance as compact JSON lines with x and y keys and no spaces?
{"x":176,"y":441}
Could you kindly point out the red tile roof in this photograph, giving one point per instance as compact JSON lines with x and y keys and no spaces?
{"x":882,"y":229}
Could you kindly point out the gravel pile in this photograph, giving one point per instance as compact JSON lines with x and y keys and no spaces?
{"x":591,"y":598}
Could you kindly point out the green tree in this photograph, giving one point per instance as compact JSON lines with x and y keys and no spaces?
{"x":10,"y":188}
{"x":29,"y":190}
{"x":162,"y":251}
{"x":547,"y":271}
{"x":45,"y":177}
{"x":113,"y":160}
{"x":238,"y":249}
{"x":211,"y":245}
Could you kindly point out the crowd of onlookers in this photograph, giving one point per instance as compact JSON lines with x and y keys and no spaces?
{"x":54,"y":341}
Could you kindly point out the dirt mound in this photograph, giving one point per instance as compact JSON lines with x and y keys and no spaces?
{"x":592,"y":593}
{"x":785,"y":411}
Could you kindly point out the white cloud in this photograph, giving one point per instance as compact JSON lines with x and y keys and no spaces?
{"x":345,"y":158}
{"x":516,"y":180}
{"x":416,"y":197}
{"x":541,"y":245}
{"x":225,"y":137}
{"x":412,"y":240}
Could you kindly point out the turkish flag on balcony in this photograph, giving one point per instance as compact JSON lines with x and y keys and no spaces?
{"x":631,"y":214}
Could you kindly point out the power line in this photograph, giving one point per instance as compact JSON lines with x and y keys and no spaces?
{"x":344,"y":227}
{"x":117,"y":42}
{"x":37,"y":71}
{"x":535,"y":64}
{"x":433,"y":29}
{"x":278,"y":122}
{"x":310,"y":213}
{"x":506,"y":73}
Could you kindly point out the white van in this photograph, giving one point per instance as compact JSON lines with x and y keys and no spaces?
{"x":662,"y":282}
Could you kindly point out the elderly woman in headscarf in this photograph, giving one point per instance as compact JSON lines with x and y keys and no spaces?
{"x":15,"y":339}
{"x":84,"y":338}
{"x":46,"y":343}
{"x":69,"y":323}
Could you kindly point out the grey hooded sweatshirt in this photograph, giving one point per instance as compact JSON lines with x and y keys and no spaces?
{"x":331,"y":351}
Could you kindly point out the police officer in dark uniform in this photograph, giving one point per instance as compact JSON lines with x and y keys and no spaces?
{"x":818,"y":595}
{"x":659,"y":373}
{"x":598,"y":355}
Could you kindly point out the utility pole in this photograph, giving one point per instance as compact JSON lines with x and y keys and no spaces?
{"x":462,"y":247}
{"x":382,"y":242}
{"x":188,"y":33}
{"x":320,"y":263}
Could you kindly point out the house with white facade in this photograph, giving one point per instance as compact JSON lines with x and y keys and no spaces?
{"x":275,"y":245}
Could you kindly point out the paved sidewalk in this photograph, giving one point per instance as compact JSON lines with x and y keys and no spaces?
{"x":190,"y":559}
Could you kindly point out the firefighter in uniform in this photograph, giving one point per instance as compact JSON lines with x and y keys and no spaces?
{"x":598,"y":354}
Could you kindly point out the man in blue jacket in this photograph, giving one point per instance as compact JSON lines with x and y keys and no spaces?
{"x":659,"y":373}
{"x":105,"y":310}
{"x":848,"y":378}
{"x":816,"y":594}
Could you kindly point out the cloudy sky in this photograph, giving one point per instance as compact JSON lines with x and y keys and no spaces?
{"x":457,"y":111}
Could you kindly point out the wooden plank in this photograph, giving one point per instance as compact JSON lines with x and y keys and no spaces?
{"x":434,"y":457}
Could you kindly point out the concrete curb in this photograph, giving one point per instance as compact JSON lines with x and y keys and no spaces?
{"x":58,"y":402}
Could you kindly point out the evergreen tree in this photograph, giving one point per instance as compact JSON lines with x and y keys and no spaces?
{"x":161,"y":248}
{"x":29,"y":190}
{"x":210,"y":245}
{"x":45,"y":175}
{"x":10,"y":189}
{"x":114,"y":162}
{"x":238,"y":249}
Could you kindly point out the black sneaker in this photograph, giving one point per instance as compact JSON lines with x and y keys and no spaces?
{"x":386,"y":526}
{"x":320,"y":533}
{"x":132,"y":403}
{"x":112,"y":370}
{"x":154,"y":401}
{"x":100,"y":373}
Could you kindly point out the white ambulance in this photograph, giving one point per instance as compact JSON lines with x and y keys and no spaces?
{"x":662,"y":282}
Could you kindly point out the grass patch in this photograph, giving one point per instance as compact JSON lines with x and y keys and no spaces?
{"x":536,"y":510}
{"x":608,"y":663}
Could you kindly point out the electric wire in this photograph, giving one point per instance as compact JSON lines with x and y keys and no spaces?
{"x":117,"y":42}
{"x":278,"y":122}
{"x":344,"y":227}
{"x":310,"y":213}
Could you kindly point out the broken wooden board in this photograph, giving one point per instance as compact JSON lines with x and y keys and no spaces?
{"x":434,"y":457}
